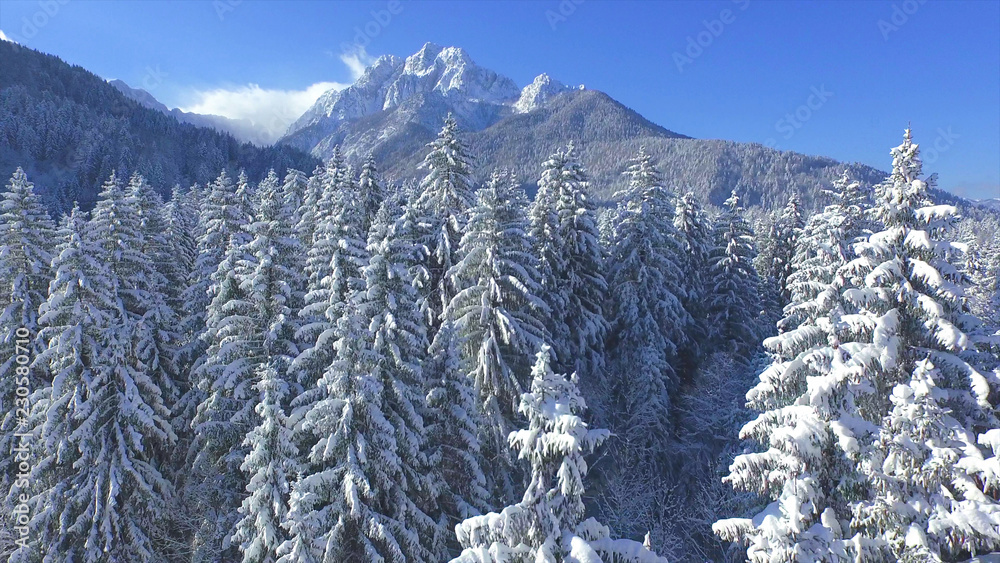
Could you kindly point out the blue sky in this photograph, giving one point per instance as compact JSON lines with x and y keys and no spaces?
{"x":839,"y":78}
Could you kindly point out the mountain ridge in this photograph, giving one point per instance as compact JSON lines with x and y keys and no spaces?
{"x":398,"y":105}
{"x":242,"y":129}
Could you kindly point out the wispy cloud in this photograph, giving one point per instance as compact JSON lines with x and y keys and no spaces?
{"x":271,"y":111}
{"x":357,"y":61}
{"x":4,"y":37}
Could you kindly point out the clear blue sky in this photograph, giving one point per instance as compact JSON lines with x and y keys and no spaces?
{"x":935,"y":64}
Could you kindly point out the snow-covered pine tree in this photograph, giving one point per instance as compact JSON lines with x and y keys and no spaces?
{"x":548,"y":246}
{"x":453,"y":431}
{"x":294,"y":189}
{"x":911,"y":299}
{"x":214,"y":488}
{"x":444,"y":199}
{"x":390,"y":305}
{"x":319,"y":223}
{"x":498,"y":312}
{"x":158,"y":338}
{"x":252,"y":329}
{"x":809,"y":424}
{"x":334,"y":267}
{"x":274,"y":279}
{"x":788,"y":228}
{"x":548,"y":525}
{"x":272,"y":285}
{"x":571,"y":264}
{"x":73,"y":323}
{"x":272,"y":464}
{"x":732,"y":285}
{"x":106,"y":429}
{"x":370,"y":191}
{"x":350,"y":502}
{"x":221,"y":218}
{"x":305,"y":228}
{"x":246,"y":199}
{"x":930,"y":499}
{"x":180,"y":215}
{"x":27,"y":239}
{"x":650,"y":321}
{"x":693,"y":225}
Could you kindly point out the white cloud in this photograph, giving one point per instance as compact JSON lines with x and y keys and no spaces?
{"x":270,"y":111}
{"x":357,"y":60}
{"x":5,"y":38}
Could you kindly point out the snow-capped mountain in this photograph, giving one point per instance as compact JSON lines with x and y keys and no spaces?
{"x":398,"y":105}
{"x":534,"y":95}
{"x":473,"y":92}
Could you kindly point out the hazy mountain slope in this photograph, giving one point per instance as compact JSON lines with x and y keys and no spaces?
{"x":243,"y":129}
{"x":69,"y":129}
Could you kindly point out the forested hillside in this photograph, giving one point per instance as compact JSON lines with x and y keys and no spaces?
{"x":69,"y":129}
{"x":333,"y":367}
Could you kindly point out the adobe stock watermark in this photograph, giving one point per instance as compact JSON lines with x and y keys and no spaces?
{"x":900,"y":15}
{"x":714,"y":28}
{"x":21,"y":448}
{"x":794,"y":120}
{"x":153,"y":78}
{"x":364,"y":35}
{"x":563,"y":11}
{"x":223,"y":7}
{"x":31,"y":25}
{"x":942,"y":143}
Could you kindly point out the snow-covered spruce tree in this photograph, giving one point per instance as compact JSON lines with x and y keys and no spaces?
{"x":73,"y":321}
{"x":272,"y":287}
{"x":214,"y":487}
{"x":159,"y":337}
{"x":293,"y":191}
{"x":340,"y":240}
{"x":693,"y":225}
{"x":788,"y":228}
{"x":809,"y":422}
{"x":930,"y":494}
{"x":221,"y":218}
{"x":329,"y":194}
{"x":650,"y":321}
{"x":444,"y":199}
{"x":350,"y":502}
{"x":453,"y":431}
{"x":27,"y":239}
{"x":180,"y":215}
{"x":548,"y":525}
{"x":571,"y":265}
{"x":107,"y":428}
{"x":911,"y":297}
{"x":305,"y":227}
{"x":498,"y":313}
{"x":390,"y":304}
{"x":254,"y":327}
{"x":272,"y":464}
{"x":274,"y":278}
{"x":548,"y":246}
{"x":370,"y":191}
{"x":246,"y":198}
{"x":732,"y":284}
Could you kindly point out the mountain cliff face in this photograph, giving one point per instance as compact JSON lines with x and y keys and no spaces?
{"x":398,"y":105}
